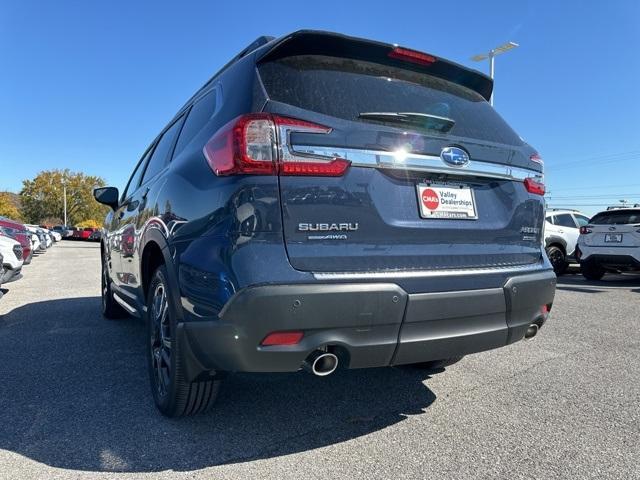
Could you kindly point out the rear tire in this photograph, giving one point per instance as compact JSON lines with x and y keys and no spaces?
{"x":172,"y":393}
{"x":591,"y":271}
{"x":437,"y":364}
{"x":558,"y":259}
{"x":110,"y":308}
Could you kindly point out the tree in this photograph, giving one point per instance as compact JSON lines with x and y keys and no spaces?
{"x":8,"y":207}
{"x":42,"y":197}
{"x":90,"y":223}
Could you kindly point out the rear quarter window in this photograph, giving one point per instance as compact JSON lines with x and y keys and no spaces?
{"x":344,"y":88}
{"x":199,"y":115}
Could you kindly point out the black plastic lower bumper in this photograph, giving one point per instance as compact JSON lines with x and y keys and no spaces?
{"x":613,"y":262}
{"x":372,"y":324}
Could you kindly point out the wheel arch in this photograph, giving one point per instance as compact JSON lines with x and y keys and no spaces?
{"x":155,"y":251}
{"x":556,"y":241}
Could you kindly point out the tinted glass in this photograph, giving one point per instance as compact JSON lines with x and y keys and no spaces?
{"x":134,"y":181}
{"x":345,"y":88}
{"x":8,"y":231}
{"x":617,"y":217}
{"x":565,"y":220}
{"x":582,"y":220}
{"x":160,"y":156}
{"x":199,"y":115}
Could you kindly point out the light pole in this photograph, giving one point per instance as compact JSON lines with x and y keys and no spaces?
{"x":64,"y":197}
{"x":491,"y":55}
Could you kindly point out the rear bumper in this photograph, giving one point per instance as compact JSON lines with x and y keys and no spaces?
{"x":599,"y":251}
{"x":369,"y":324}
{"x":617,"y":261}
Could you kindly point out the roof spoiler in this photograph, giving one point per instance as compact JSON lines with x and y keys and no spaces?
{"x":312,"y":42}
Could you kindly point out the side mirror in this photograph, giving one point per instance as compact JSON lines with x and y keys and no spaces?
{"x":107,"y":196}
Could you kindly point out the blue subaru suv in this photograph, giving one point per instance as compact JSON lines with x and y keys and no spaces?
{"x":327,"y":202}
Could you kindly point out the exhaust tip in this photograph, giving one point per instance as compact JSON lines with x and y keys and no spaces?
{"x":321,"y":363}
{"x":532,"y":331}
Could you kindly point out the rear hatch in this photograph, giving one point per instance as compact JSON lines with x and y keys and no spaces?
{"x":436,"y":178}
{"x":613,"y":228}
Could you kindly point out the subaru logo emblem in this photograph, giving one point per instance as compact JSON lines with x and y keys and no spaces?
{"x":454,"y":156}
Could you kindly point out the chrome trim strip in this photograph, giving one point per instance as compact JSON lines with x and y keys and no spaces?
{"x":536,"y":267}
{"x":125,"y":305}
{"x":422,"y":163}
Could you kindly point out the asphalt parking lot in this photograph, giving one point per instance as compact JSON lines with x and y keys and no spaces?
{"x":75,"y":401}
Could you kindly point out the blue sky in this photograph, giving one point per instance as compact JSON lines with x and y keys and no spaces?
{"x":87,"y":85}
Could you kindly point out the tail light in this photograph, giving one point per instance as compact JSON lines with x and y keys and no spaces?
{"x":246,"y":145}
{"x":533,"y":186}
{"x":585,"y":230}
{"x":258,"y":144}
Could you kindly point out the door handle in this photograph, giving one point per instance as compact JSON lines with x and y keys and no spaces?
{"x":143,"y":200}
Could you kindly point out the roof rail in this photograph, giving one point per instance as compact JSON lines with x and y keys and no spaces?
{"x":618,"y":207}
{"x":257,"y":43}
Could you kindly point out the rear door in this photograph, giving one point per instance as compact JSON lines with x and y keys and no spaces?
{"x":419,"y":192}
{"x":614,"y":228}
{"x":140,"y":203}
{"x":566,"y":226}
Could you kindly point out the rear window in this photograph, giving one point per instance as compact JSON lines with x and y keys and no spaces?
{"x":616,"y":218}
{"x":344,"y":88}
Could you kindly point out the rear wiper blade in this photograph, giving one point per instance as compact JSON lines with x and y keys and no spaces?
{"x":423,"y":120}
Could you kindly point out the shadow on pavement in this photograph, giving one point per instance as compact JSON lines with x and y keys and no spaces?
{"x":577,"y":283}
{"x":75,"y":395}
{"x":579,"y":289}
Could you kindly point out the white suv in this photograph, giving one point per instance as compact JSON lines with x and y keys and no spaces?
{"x":11,"y":259}
{"x":561,"y":232}
{"x":610,"y":243}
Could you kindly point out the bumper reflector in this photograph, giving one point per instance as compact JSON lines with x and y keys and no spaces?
{"x":282,"y":338}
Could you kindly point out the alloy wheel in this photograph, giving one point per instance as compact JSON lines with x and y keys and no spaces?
{"x":160,"y":340}
{"x":557,"y":259}
{"x":105,"y":286}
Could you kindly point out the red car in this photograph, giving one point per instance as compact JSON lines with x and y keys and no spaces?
{"x":83,"y":233}
{"x":18,"y":232}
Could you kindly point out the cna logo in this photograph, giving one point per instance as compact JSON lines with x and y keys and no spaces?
{"x":430,"y":199}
